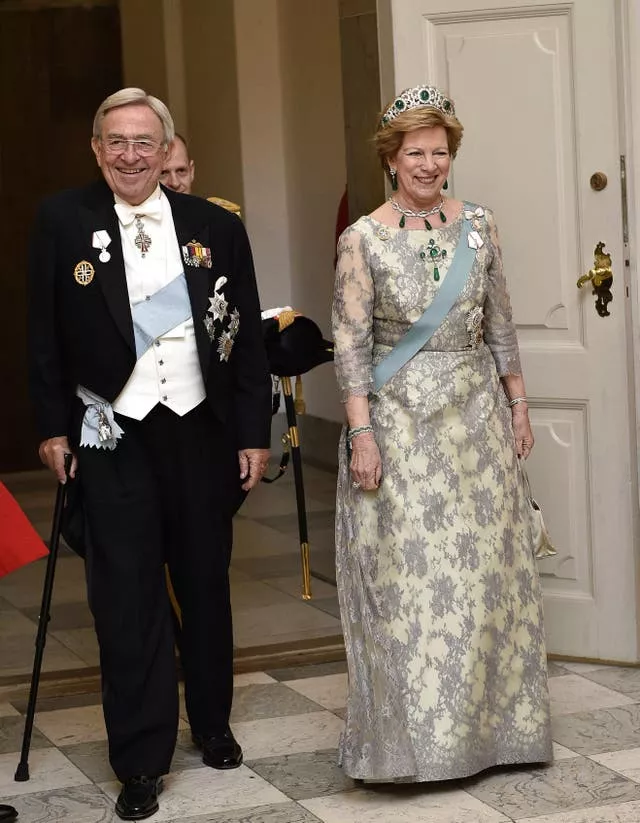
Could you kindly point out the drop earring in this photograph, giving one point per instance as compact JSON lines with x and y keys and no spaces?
{"x":446,"y":185}
{"x":394,"y":179}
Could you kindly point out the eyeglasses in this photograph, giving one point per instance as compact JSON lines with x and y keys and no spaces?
{"x":118,"y":145}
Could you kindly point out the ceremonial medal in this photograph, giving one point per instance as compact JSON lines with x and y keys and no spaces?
{"x":101,"y":240}
{"x":474,"y":239}
{"x":83,"y":273}
{"x":195,"y":254}
{"x":142,"y":239}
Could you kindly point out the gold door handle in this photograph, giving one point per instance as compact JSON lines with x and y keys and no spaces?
{"x":601,"y":278}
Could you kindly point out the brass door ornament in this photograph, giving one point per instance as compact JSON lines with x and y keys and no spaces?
{"x":601,"y":278}
{"x":598,"y":181}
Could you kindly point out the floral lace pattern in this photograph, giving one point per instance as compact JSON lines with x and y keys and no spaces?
{"x":439,"y":593}
{"x":382,"y":287}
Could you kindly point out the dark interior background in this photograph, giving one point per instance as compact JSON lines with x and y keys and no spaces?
{"x":57,"y":63}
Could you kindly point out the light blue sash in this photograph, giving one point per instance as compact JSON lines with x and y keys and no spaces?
{"x":422,"y":330}
{"x":152,"y":318}
{"x":159,"y":313}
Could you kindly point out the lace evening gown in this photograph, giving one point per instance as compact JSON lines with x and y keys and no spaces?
{"x":438,"y":587}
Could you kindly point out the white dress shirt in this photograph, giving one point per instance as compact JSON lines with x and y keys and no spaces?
{"x":169,"y":372}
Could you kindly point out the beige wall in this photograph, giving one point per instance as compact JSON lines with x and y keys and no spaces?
{"x":262,"y":109}
{"x":316,"y":170}
{"x":361,"y":84}
{"x":143,"y":67}
{"x":211,"y":98}
{"x":260,"y":92}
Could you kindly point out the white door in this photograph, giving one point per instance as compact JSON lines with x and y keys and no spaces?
{"x":536,"y":87}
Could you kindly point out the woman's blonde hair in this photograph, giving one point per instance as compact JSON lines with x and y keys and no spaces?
{"x":389,"y":137}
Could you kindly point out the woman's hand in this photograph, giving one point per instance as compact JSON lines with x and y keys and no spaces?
{"x":522,"y":431}
{"x":366,"y":465}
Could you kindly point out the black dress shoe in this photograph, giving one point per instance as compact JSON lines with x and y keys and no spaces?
{"x":138,"y":798}
{"x":220,"y":751}
{"x":7,"y":814}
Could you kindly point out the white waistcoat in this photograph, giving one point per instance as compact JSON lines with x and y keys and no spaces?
{"x":169,"y":372}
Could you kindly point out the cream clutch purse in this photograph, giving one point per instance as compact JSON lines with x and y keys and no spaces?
{"x":542,"y":545}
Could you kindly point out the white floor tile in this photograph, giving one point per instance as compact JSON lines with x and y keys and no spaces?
{"x":66,"y":727}
{"x":82,"y":642}
{"x":579,"y":668}
{"x":288,"y":735}
{"x":48,"y":769}
{"x":562,"y":753}
{"x":626,"y":762}
{"x":413,"y":805}
{"x":619,"y":813}
{"x":85,"y":724}
{"x":329,"y":691}
{"x":572,"y":693}
{"x":7,"y":710}
{"x":279,"y":624}
{"x":291,"y":585}
{"x":207,"y":791}
{"x":252,"y":679}
{"x":253,"y":539}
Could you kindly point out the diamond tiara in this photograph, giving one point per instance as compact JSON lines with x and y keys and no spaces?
{"x":418,"y":97}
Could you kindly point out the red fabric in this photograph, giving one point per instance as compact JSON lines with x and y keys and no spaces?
{"x":19,"y":541}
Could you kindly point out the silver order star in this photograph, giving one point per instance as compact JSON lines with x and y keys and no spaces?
{"x":234,"y":322}
{"x":208,"y":324}
{"x":218,"y":306}
{"x":225,"y":344}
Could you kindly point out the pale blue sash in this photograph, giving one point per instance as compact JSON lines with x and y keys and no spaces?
{"x":422,"y":330}
{"x":159,"y":313}
{"x":152,"y":318}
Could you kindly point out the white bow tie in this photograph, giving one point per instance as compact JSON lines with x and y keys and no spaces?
{"x":127,"y":214}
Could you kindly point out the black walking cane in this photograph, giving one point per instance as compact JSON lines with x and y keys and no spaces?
{"x":22,"y":772}
{"x":299,"y":484}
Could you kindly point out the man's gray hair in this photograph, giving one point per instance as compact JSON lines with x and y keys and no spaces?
{"x":131,"y":96}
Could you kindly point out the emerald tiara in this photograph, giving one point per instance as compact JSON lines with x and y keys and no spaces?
{"x":418,"y":97}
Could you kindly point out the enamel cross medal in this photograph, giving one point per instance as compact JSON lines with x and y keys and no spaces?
{"x":142,"y":241}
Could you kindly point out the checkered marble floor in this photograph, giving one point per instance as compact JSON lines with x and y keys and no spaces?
{"x":265,"y":579}
{"x":289,"y":721}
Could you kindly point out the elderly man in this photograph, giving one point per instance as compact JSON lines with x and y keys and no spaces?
{"x":179,"y":169}
{"x":147,"y":363}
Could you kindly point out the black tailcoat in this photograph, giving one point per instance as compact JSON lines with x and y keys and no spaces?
{"x":83,"y":335}
{"x":166,"y":493}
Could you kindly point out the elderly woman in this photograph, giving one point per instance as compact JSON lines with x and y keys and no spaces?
{"x":440,"y":598}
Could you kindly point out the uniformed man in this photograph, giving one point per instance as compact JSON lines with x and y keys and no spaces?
{"x":147,"y":363}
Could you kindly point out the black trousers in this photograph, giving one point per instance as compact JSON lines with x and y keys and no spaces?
{"x":166,"y":494}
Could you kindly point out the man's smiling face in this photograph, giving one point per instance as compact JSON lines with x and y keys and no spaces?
{"x":131,"y":171}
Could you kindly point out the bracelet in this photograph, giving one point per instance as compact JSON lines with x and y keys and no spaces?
{"x":358,"y":430}
{"x":517,"y":400}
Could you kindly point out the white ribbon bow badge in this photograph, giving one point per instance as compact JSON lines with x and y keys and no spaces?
{"x":474,"y":239}
{"x":469,"y":215}
{"x":101,"y":240}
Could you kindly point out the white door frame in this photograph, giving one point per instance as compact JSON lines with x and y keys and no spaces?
{"x":628,"y":31}
{"x":628,"y":277}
